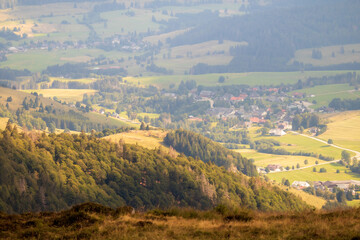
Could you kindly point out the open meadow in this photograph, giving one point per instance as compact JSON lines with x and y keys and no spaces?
{"x":322,"y":95}
{"x":308,"y":174}
{"x":148,"y":139}
{"x":295,"y":143}
{"x":251,"y":79}
{"x":344,"y":129}
{"x":68,"y":95}
{"x":263,"y":159}
{"x":331,"y":55}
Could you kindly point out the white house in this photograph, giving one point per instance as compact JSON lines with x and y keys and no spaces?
{"x":300,"y":184}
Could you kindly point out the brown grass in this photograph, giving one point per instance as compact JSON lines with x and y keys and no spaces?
{"x":92,"y":221}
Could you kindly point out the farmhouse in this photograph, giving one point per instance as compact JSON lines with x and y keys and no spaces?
{"x":274,"y":167}
{"x":330,"y":185}
{"x":277,"y":132}
{"x":300,"y":184}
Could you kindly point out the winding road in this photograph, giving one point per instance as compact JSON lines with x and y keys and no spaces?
{"x":328,"y":162}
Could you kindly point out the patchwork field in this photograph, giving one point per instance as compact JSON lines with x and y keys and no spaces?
{"x":344,"y":129}
{"x":68,"y":95}
{"x":251,"y":79}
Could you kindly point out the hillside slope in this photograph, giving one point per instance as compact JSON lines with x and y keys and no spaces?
{"x":92,"y":221}
{"x":40,"y":172}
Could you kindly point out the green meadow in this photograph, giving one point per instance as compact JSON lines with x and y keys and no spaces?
{"x":251,"y":79}
{"x":307,"y":174}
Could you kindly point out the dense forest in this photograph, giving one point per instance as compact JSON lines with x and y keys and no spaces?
{"x":52,"y":172}
{"x":197,"y":146}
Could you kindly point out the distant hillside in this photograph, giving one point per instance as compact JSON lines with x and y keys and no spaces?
{"x":49,"y":173}
{"x":13,"y":3}
{"x":36,"y":112}
{"x":275,"y":32}
{"x":198,"y":146}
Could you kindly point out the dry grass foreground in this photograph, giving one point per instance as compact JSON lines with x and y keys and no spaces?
{"x":93,"y":221}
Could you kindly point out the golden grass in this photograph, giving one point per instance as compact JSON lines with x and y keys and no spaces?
{"x":149,"y":139}
{"x":3,"y":122}
{"x":338,"y":224}
{"x":68,"y":95}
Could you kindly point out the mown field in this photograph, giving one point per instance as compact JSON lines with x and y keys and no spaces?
{"x":344,"y":129}
{"x":251,"y":79}
{"x":331,"y":55}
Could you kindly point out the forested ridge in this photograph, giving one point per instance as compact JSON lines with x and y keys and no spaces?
{"x":312,"y":25}
{"x":198,"y":146}
{"x":40,"y":172}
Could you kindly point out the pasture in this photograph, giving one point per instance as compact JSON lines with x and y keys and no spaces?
{"x":68,"y":95}
{"x":344,"y":129}
{"x":324,"y":94}
{"x":307,"y":174}
{"x":263,"y":159}
{"x":39,"y":60}
{"x":331,"y":55}
{"x":251,"y":79}
{"x":295,"y":143}
{"x":180,"y":59}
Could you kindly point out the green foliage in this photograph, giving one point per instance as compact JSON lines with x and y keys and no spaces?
{"x":197,"y":146}
{"x":40,"y":172}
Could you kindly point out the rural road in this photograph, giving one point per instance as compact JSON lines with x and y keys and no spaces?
{"x":322,"y":141}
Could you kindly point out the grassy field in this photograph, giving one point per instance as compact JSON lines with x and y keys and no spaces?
{"x":148,"y":139}
{"x":81,"y":80}
{"x":98,"y":222}
{"x":295,"y":143}
{"x":312,"y":200}
{"x":324,"y":94}
{"x":344,"y":129}
{"x":251,"y":79}
{"x":187,"y":56}
{"x":307,"y":174}
{"x":263,"y":159}
{"x":3,"y":122}
{"x":119,"y":22}
{"x":351,"y":54}
{"x":68,"y":95}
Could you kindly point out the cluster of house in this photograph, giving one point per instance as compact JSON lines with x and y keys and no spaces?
{"x":346,"y":185}
{"x":330,"y":185}
{"x":252,"y":114}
